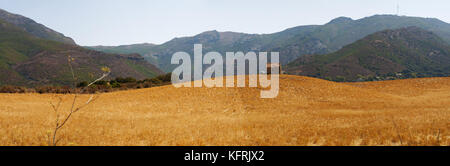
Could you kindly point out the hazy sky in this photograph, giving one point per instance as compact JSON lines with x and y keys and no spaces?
{"x":116,"y":22}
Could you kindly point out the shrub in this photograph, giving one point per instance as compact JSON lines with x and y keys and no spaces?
{"x":115,"y":84}
{"x":340,"y":78}
{"x":125,"y":80}
{"x":101,"y":86}
{"x":13,"y":89}
{"x":165,"y":78}
{"x":102,"y":82}
{"x":82,"y":84}
{"x":147,"y":85}
{"x":154,"y":81}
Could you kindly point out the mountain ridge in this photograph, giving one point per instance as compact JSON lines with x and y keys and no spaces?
{"x":406,"y":52}
{"x":292,"y":42}
{"x":27,"y":60}
{"x":34,"y":28}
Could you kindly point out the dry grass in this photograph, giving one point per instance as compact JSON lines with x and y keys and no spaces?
{"x":307,"y":112}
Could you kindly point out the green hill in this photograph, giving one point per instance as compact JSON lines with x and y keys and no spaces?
{"x":32,"y":61}
{"x":401,"y":53}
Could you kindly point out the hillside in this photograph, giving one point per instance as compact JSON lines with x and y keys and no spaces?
{"x":308,"y":111}
{"x":141,"y":49}
{"x":126,"y":49}
{"x":291,"y":43}
{"x":34,"y":28}
{"x":31,"y":61}
{"x":407,"y":52}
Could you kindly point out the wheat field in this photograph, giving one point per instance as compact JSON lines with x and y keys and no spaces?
{"x":308,"y":111}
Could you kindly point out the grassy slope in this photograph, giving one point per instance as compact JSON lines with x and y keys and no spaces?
{"x":31,"y":61}
{"x":17,"y":46}
{"x":307,"y":111}
{"x":390,"y":51}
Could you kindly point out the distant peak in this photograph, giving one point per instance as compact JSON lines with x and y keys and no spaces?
{"x":209,"y":32}
{"x":385,"y":15}
{"x":341,"y":20}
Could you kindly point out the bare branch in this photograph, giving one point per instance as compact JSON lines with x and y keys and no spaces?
{"x":74,"y":102}
{"x":74,"y":108}
{"x":70,"y":59}
{"x":91,"y":100}
{"x":56,"y":108}
{"x":101,"y":78}
{"x":65,"y":120}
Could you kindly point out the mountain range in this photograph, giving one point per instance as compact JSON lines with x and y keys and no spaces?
{"x":34,"y":55}
{"x":406,"y":52}
{"x":343,"y":49}
{"x":291,"y":43}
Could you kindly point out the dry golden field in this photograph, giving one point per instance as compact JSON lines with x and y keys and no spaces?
{"x":307,"y":111}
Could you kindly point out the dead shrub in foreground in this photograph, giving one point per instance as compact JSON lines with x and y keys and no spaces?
{"x":60,"y":122}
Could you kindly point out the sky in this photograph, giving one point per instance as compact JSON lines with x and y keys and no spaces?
{"x":121,"y":22}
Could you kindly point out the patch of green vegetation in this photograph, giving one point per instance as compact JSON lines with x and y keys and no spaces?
{"x":31,"y":61}
{"x":141,"y":69}
{"x":386,"y":55}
